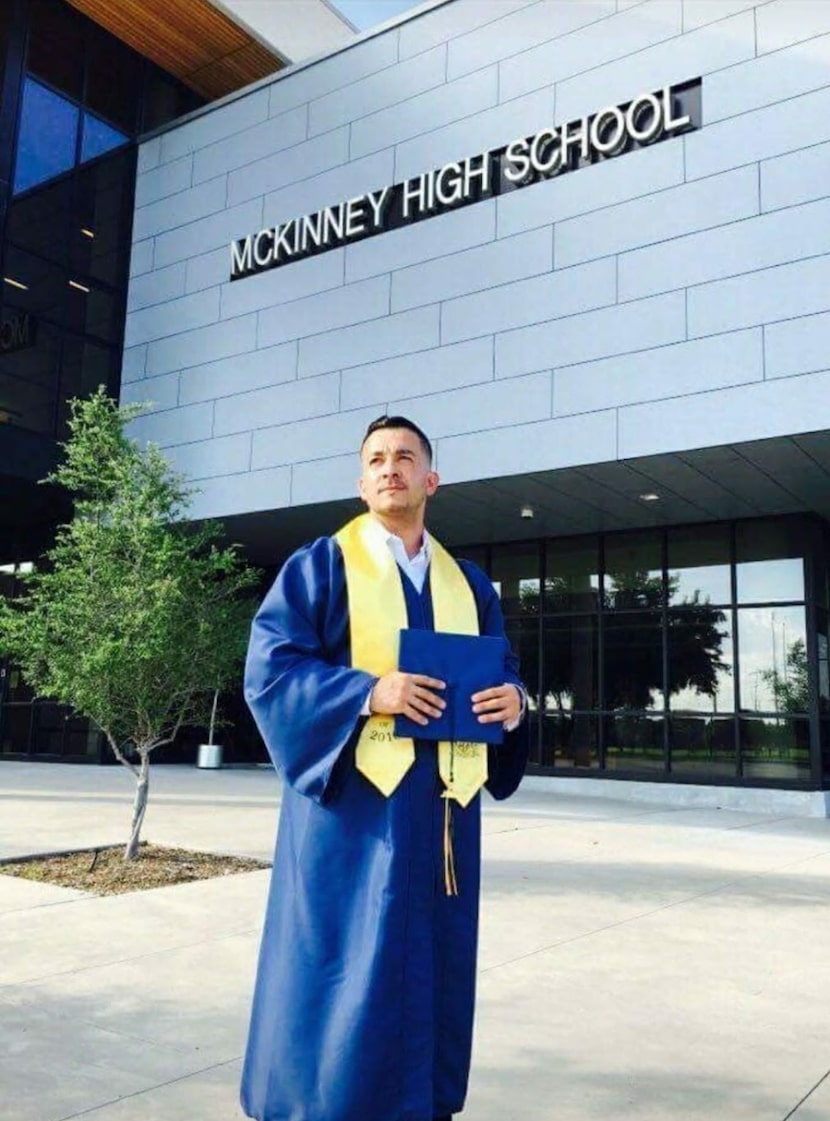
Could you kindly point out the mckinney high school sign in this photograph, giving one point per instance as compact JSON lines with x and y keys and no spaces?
{"x":649,"y":118}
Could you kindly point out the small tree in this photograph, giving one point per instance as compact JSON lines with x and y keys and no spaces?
{"x":136,"y":618}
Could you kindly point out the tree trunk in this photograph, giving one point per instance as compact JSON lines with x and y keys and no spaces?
{"x":139,"y":805}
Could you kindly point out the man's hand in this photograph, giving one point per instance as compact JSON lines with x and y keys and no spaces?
{"x":501,"y":705}
{"x":412,"y":694}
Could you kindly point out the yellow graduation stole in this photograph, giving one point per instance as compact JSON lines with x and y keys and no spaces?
{"x":377,"y":614}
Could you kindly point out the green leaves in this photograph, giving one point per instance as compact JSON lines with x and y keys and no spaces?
{"x":135,"y":618}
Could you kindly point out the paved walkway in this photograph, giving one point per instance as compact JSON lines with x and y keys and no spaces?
{"x":636,"y":961}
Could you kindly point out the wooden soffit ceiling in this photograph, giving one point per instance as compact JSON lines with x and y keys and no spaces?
{"x":188,"y":38}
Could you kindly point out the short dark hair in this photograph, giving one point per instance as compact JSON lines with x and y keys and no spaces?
{"x":386,"y":421}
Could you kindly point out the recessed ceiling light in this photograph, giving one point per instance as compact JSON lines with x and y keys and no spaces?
{"x":87,"y":232}
{"x":650,"y":497}
{"x":78,"y":285}
{"x":527,"y":511}
{"x":16,"y":283}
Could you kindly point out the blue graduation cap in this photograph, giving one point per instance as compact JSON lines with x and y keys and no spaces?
{"x":468,"y":664}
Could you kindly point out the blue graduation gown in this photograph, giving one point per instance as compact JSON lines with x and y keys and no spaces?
{"x":363,"y":1006}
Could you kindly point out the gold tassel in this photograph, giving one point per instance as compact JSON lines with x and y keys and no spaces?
{"x":450,"y":882}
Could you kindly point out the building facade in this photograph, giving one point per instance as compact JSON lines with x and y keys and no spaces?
{"x":584,"y":245}
{"x":80,"y":82}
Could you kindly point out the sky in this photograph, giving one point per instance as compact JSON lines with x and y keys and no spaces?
{"x":369,"y":13}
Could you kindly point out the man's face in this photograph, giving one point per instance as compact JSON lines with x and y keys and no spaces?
{"x":396,"y":479}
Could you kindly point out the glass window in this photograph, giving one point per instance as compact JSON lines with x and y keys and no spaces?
{"x":772,"y":655}
{"x":702,"y":745}
{"x":99,"y":238}
{"x":516,"y":573}
{"x":56,"y":47}
{"x":523,"y":636}
{"x":28,"y":381}
{"x":48,"y":134}
{"x":701,"y":660}
{"x":633,"y":571}
{"x":38,"y":221}
{"x":572,"y":575}
{"x":165,"y":99}
{"x":634,"y":742}
{"x":633,"y":660}
{"x":769,"y":561}
{"x":775,"y":748}
{"x":570,"y":664}
{"x":698,"y":565}
{"x":570,"y":740}
{"x":40,"y":284}
{"x":99,"y":137}
{"x":113,"y":80}
{"x":823,"y":661}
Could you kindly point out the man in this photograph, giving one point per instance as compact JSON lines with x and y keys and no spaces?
{"x":363,"y":1005}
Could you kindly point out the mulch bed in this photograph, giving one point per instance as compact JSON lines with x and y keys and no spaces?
{"x":104,"y":871}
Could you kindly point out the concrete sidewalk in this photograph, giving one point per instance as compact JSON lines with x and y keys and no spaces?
{"x":636,"y":961}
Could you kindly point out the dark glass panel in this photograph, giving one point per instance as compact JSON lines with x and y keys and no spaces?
{"x":28,"y":381}
{"x":85,"y":366}
{"x":165,"y":99}
{"x":769,"y":561}
{"x":823,"y":642}
{"x":475,"y":553}
{"x":701,"y":660}
{"x":572,"y":575}
{"x":49,"y":728}
{"x":56,"y":46}
{"x":44,"y":284}
{"x":15,"y":728}
{"x":515,"y":574}
{"x":93,"y":312}
{"x":634,"y":742}
{"x":47,"y":138}
{"x":523,"y":636}
{"x":775,"y":748}
{"x":825,"y":751}
{"x":702,"y":745}
{"x":570,"y":663}
{"x":772,"y":655}
{"x":633,"y":571}
{"x":99,"y":238}
{"x":98,"y":138}
{"x":113,"y":81}
{"x":633,"y":660}
{"x":570,"y":740}
{"x":5,"y":29}
{"x":38,"y":221}
{"x":698,"y":565}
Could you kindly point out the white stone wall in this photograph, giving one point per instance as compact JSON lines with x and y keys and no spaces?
{"x":674,"y":297}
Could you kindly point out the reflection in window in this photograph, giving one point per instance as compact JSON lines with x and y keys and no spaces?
{"x":99,"y":137}
{"x":634,"y":660}
{"x":633,"y":571}
{"x":523,"y":636}
{"x":702,"y":745}
{"x":572,"y":576}
{"x":28,"y":383}
{"x":700,"y":660}
{"x":772,"y":647}
{"x":570,"y":740}
{"x":516,"y":572}
{"x":776,"y":748}
{"x":769,"y":567}
{"x":570,"y":653}
{"x":698,"y":563}
{"x":48,"y":134}
{"x":634,"y":742}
